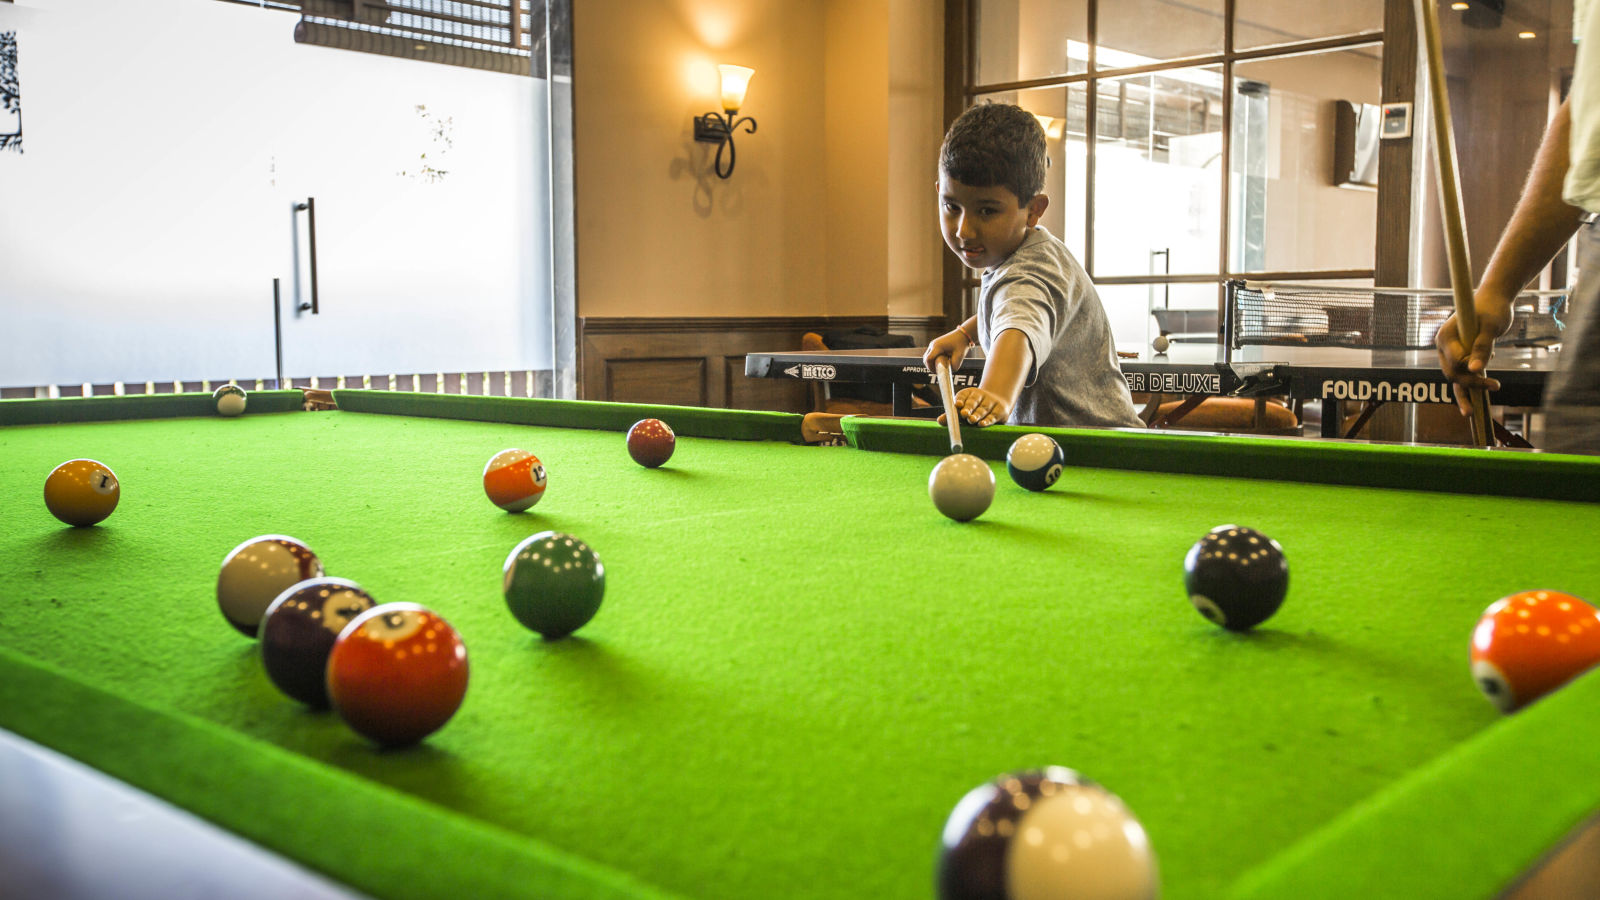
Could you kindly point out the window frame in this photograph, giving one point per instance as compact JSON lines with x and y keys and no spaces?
{"x":1397,"y":40}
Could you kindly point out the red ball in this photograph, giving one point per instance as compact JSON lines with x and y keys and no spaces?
{"x":1528,"y":644}
{"x":651,"y":442}
{"x":397,"y":673}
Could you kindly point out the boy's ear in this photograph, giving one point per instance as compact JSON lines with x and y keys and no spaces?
{"x":1036,"y":208}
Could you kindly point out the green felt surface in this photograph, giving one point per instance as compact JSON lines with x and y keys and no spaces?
{"x":799,"y":666}
{"x":1520,"y":785}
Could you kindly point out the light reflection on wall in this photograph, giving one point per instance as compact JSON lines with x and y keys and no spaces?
{"x":720,"y":24}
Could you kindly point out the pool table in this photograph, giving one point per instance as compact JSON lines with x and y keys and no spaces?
{"x":800,"y":666}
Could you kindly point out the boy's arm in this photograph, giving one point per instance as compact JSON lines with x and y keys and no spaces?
{"x":1005,"y":372}
{"x":952,"y":345}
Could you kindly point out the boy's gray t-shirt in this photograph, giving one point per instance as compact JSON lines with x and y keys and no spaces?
{"x":1041,"y":291}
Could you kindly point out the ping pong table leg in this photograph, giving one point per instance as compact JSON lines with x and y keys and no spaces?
{"x":1332,"y":413}
{"x":899,"y":399}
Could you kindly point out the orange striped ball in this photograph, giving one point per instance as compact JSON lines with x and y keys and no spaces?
{"x":514,"y":480}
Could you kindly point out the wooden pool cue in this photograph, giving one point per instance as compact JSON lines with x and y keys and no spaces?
{"x":1455,"y":229}
{"x":951,"y":419}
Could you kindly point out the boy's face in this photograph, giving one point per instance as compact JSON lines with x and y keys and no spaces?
{"x":984,"y":225}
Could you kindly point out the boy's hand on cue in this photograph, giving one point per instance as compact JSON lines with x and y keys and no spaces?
{"x":952,"y":346}
{"x":981,"y":407}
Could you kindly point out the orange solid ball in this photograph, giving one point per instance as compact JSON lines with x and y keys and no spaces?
{"x":1528,"y":644}
{"x":81,"y":492}
{"x":397,"y":673}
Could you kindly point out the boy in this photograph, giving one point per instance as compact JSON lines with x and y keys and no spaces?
{"x":1050,"y":359}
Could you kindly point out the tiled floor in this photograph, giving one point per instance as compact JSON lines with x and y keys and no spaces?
{"x":67,"y":832}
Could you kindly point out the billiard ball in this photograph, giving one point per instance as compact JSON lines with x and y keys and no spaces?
{"x":1046,"y":834}
{"x":81,"y":492}
{"x":962,"y":486}
{"x":651,"y":442}
{"x":553,"y":583}
{"x":1035,"y":461}
{"x":298,"y":631}
{"x":1528,"y":644}
{"x":1161,"y":343}
{"x":514,"y":480}
{"x":254,"y":573}
{"x":229,"y":399}
{"x":1236,"y":577}
{"x":397,"y":673}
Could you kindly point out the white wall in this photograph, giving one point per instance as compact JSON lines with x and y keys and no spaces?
{"x":165,"y":142}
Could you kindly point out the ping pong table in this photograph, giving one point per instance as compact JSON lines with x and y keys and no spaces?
{"x":1330,"y":375}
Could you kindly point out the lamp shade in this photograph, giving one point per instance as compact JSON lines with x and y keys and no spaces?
{"x":735,"y":80}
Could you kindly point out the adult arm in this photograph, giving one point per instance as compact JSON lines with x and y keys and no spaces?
{"x":1540,"y":226}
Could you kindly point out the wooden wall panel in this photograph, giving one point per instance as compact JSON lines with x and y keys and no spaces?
{"x":700,"y":361}
{"x":680,"y":381}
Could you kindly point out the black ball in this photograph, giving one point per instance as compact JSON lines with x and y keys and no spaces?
{"x":1035,"y":461}
{"x":1236,"y":577}
{"x":298,"y":632}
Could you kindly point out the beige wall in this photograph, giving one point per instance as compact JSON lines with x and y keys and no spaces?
{"x":804,"y":226}
{"x":855,"y":124}
{"x":916,"y":127}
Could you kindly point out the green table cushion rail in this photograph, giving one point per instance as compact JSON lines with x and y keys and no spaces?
{"x":199,"y":765}
{"x":1462,"y":470}
{"x":1508,"y":794}
{"x":136,"y":406}
{"x":691,"y":421}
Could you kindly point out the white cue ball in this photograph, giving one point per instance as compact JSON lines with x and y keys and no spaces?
{"x":1045,"y":834}
{"x":1080,"y":842}
{"x":230,"y":400}
{"x":962,"y":486}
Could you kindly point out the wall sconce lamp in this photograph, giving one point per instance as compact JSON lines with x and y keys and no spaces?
{"x":717,"y":128}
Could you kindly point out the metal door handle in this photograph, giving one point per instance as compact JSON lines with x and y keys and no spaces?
{"x":310,"y":207}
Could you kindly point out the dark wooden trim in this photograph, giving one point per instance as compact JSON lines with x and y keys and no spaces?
{"x":654,"y":325}
{"x":1281,"y":51}
{"x":419,"y":44}
{"x":916,"y":323}
{"x":1298,"y":275}
{"x":1345,"y":42}
{"x":958,"y":37}
{"x":1392,"y":250}
{"x":1091,"y":137}
{"x":1225,"y":195}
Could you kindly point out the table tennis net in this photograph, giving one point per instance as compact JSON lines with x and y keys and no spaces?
{"x":1370,"y":318}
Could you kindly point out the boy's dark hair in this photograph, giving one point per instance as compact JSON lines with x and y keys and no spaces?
{"x":996,"y":144}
